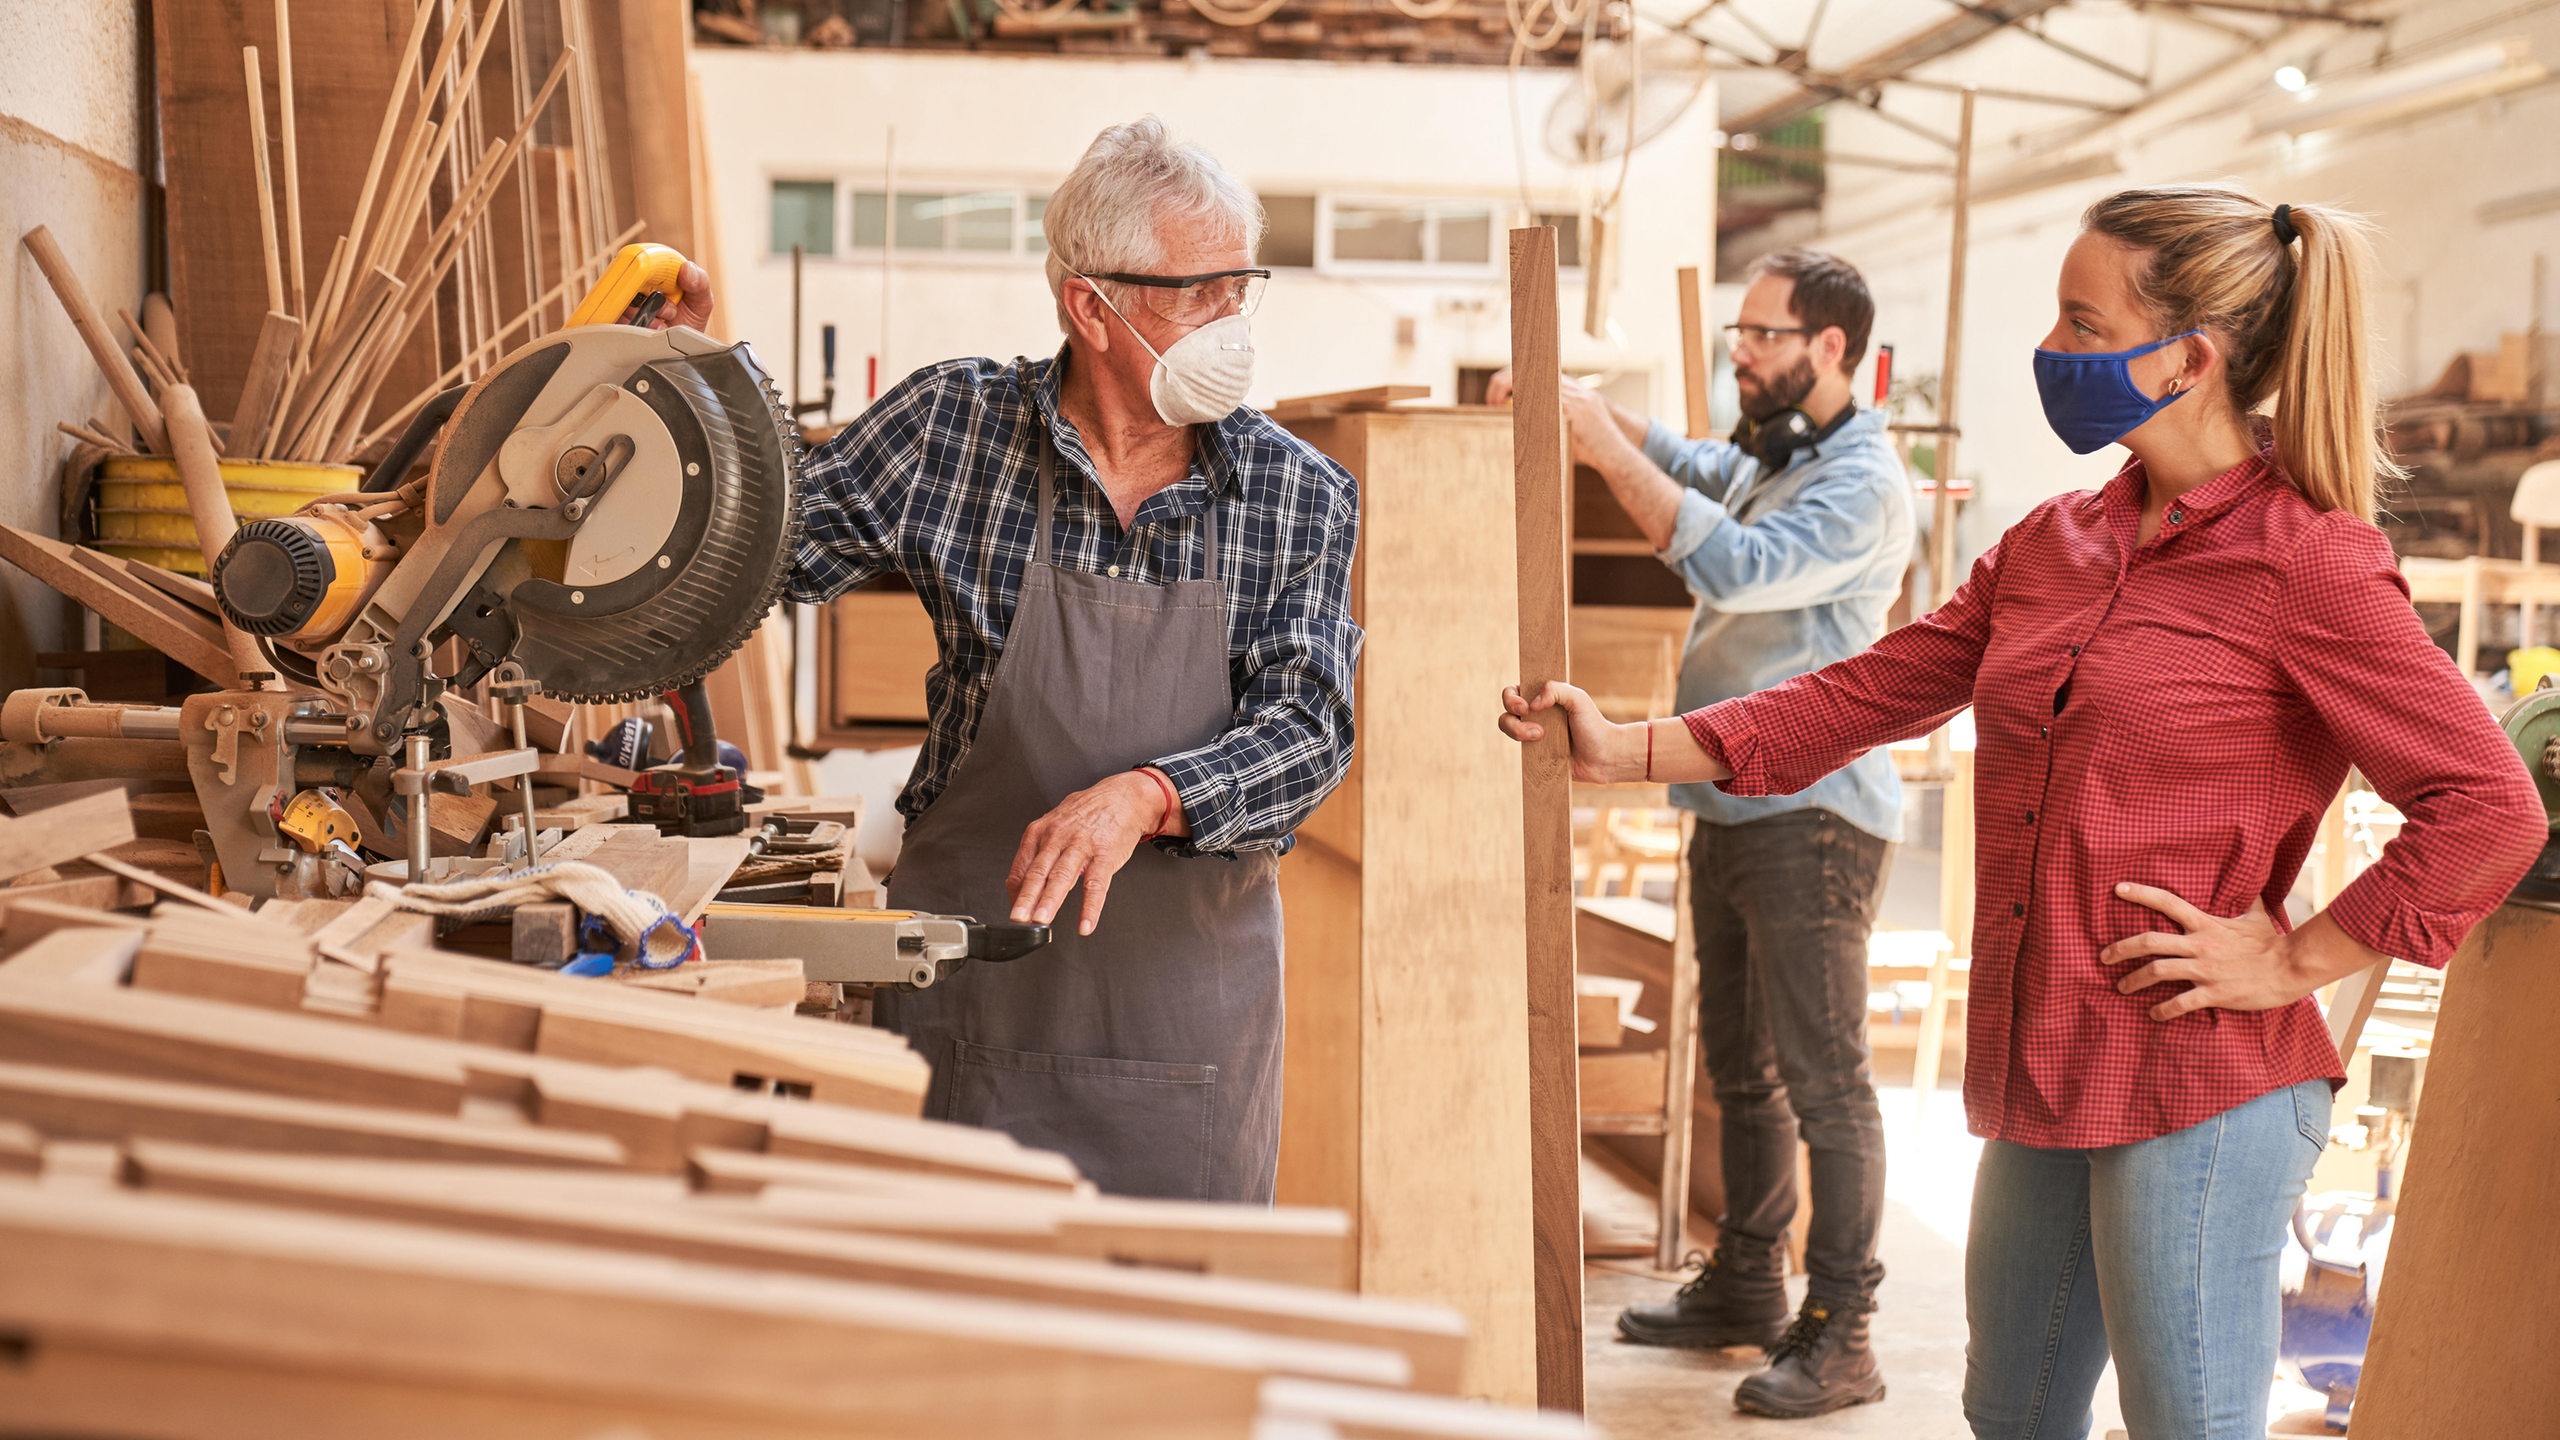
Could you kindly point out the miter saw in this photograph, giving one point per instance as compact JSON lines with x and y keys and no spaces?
{"x":608,"y":514}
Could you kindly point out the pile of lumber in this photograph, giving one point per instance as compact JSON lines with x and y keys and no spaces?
{"x":250,"y":1187}
{"x":416,"y":259}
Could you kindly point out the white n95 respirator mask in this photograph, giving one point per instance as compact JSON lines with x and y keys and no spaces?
{"x":1201,"y":378}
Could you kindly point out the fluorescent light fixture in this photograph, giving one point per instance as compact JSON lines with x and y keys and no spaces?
{"x":2290,"y":79}
{"x":2406,"y":91}
{"x":2045,"y":177}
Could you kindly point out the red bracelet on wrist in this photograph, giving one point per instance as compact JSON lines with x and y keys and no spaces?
{"x":1170,"y":800}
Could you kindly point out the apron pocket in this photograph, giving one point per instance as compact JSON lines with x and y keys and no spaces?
{"x":1134,"y":1127}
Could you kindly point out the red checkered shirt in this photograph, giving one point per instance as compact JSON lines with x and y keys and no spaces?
{"x":2177,"y":713}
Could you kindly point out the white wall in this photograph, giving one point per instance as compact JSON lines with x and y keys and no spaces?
{"x":70,"y":141}
{"x":2449,"y":282}
{"x":1284,"y":127}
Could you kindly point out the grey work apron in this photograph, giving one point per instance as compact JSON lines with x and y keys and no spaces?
{"x":1149,"y":1051}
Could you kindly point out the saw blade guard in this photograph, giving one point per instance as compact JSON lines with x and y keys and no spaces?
{"x":678,"y":609}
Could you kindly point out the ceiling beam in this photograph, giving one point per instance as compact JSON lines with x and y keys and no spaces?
{"x":2296,"y":10}
{"x":1891,"y":62}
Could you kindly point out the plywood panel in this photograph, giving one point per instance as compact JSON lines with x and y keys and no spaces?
{"x":1444,"y":1063}
{"x":2473,"y":1237}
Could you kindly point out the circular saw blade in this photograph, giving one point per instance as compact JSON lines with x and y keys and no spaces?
{"x":673,"y":622}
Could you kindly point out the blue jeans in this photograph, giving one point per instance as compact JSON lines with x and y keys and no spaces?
{"x":2163,"y":1252}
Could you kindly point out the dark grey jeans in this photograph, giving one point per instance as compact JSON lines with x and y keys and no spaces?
{"x":1782,"y":908}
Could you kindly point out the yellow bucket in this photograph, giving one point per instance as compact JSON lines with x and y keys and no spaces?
{"x":142,"y":505}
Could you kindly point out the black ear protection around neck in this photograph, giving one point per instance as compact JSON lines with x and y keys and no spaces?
{"x":1775,"y":441}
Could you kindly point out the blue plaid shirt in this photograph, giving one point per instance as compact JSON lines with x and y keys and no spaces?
{"x":938,"y":480}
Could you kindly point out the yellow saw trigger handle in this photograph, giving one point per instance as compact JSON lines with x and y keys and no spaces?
{"x":638,"y":271}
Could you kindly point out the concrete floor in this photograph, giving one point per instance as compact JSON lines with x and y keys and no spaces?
{"x":1639,"y":1392}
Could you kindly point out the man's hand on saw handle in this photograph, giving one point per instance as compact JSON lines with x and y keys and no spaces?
{"x":1087,"y":838}
{"x":693,"y":301}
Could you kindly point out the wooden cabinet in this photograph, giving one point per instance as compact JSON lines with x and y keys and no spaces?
{"x":874,"y":647}
{"x":1407,"y":1070}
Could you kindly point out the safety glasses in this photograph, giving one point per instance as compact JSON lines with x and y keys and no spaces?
{"x":1195,"y":299}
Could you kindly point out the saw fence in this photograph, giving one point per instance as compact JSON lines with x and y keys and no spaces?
{"x":301,"y":1172}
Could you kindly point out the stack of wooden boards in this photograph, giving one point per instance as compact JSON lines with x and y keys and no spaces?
{"x":247,"y":1188}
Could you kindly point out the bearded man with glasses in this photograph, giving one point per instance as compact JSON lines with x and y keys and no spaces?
{"x":1794,"y":536}
{"x":1141,"y":590}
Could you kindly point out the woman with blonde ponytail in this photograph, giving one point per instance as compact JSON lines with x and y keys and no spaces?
{"x":2170,"y":677}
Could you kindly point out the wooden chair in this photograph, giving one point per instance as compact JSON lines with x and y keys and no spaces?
{"x":2476,"y":582}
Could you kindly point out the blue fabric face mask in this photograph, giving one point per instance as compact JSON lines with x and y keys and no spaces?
{"x":2091,"y":400}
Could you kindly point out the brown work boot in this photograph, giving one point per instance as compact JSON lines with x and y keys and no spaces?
{"x":1720,"y":1306}
{"x":1820,"y":1365}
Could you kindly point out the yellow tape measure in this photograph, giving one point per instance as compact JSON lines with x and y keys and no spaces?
{"x":314,"y":818}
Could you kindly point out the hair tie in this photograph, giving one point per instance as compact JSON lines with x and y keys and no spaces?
{"x":2285,"y":233}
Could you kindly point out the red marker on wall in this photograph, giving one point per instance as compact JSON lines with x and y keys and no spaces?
{"x":1884,"y":372}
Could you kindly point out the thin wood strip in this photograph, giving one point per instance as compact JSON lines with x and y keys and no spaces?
{"x":267,"y":247}
{"x":484,"y":355}
{"x":161,"y":883}
{"x":323,"y":303}
{"x":164,"y":361}
{"x":1694,"y":356}
{"x":121,"y":379}
{"x":88,"y":436}
{"x":292,"y":157}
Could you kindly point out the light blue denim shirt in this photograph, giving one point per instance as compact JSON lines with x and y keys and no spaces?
{"x":1792,"y":571}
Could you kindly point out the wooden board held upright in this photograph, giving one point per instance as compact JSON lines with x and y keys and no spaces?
{"x":1546,"y":793}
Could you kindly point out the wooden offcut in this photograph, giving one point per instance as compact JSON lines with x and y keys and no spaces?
{"x":1546,"y":782}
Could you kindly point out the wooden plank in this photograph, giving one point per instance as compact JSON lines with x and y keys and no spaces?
{"x":1317,"y":407}
{"x":1628,"y":1084}
{"x":63,"y":833}
{"x":1695,"y":355}
{"x":1540,"y":470}
{"x":173,"y":629}
{"x":493,"y":1200}
{"x":74,"y":956}
{"x":278,"y":334}
{"x":187,"y":1039}
{"x":2470,"y":1239}
{"x":159,"y":1274}
{"x":709,"y":862}
{"x":1347,"y":1412}
{"x":83,"y":1105}
{"x":615,"y":1025}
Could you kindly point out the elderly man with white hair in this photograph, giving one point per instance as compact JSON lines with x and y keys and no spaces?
{"x":1141,"y":592}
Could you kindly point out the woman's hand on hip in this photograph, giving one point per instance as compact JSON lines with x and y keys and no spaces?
{"x":2242,"y":963}
{"x":1087,"y":838}
{"x":1603,"y":753}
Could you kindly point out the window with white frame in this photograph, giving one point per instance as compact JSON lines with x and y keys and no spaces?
{"x":993,"y":223}
{"x":1438,"y":234}
{"x":804,"y":214}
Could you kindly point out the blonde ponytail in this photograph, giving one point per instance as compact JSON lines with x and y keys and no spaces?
{"x":2325,"y":408}
{"x":2288,"y":311}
